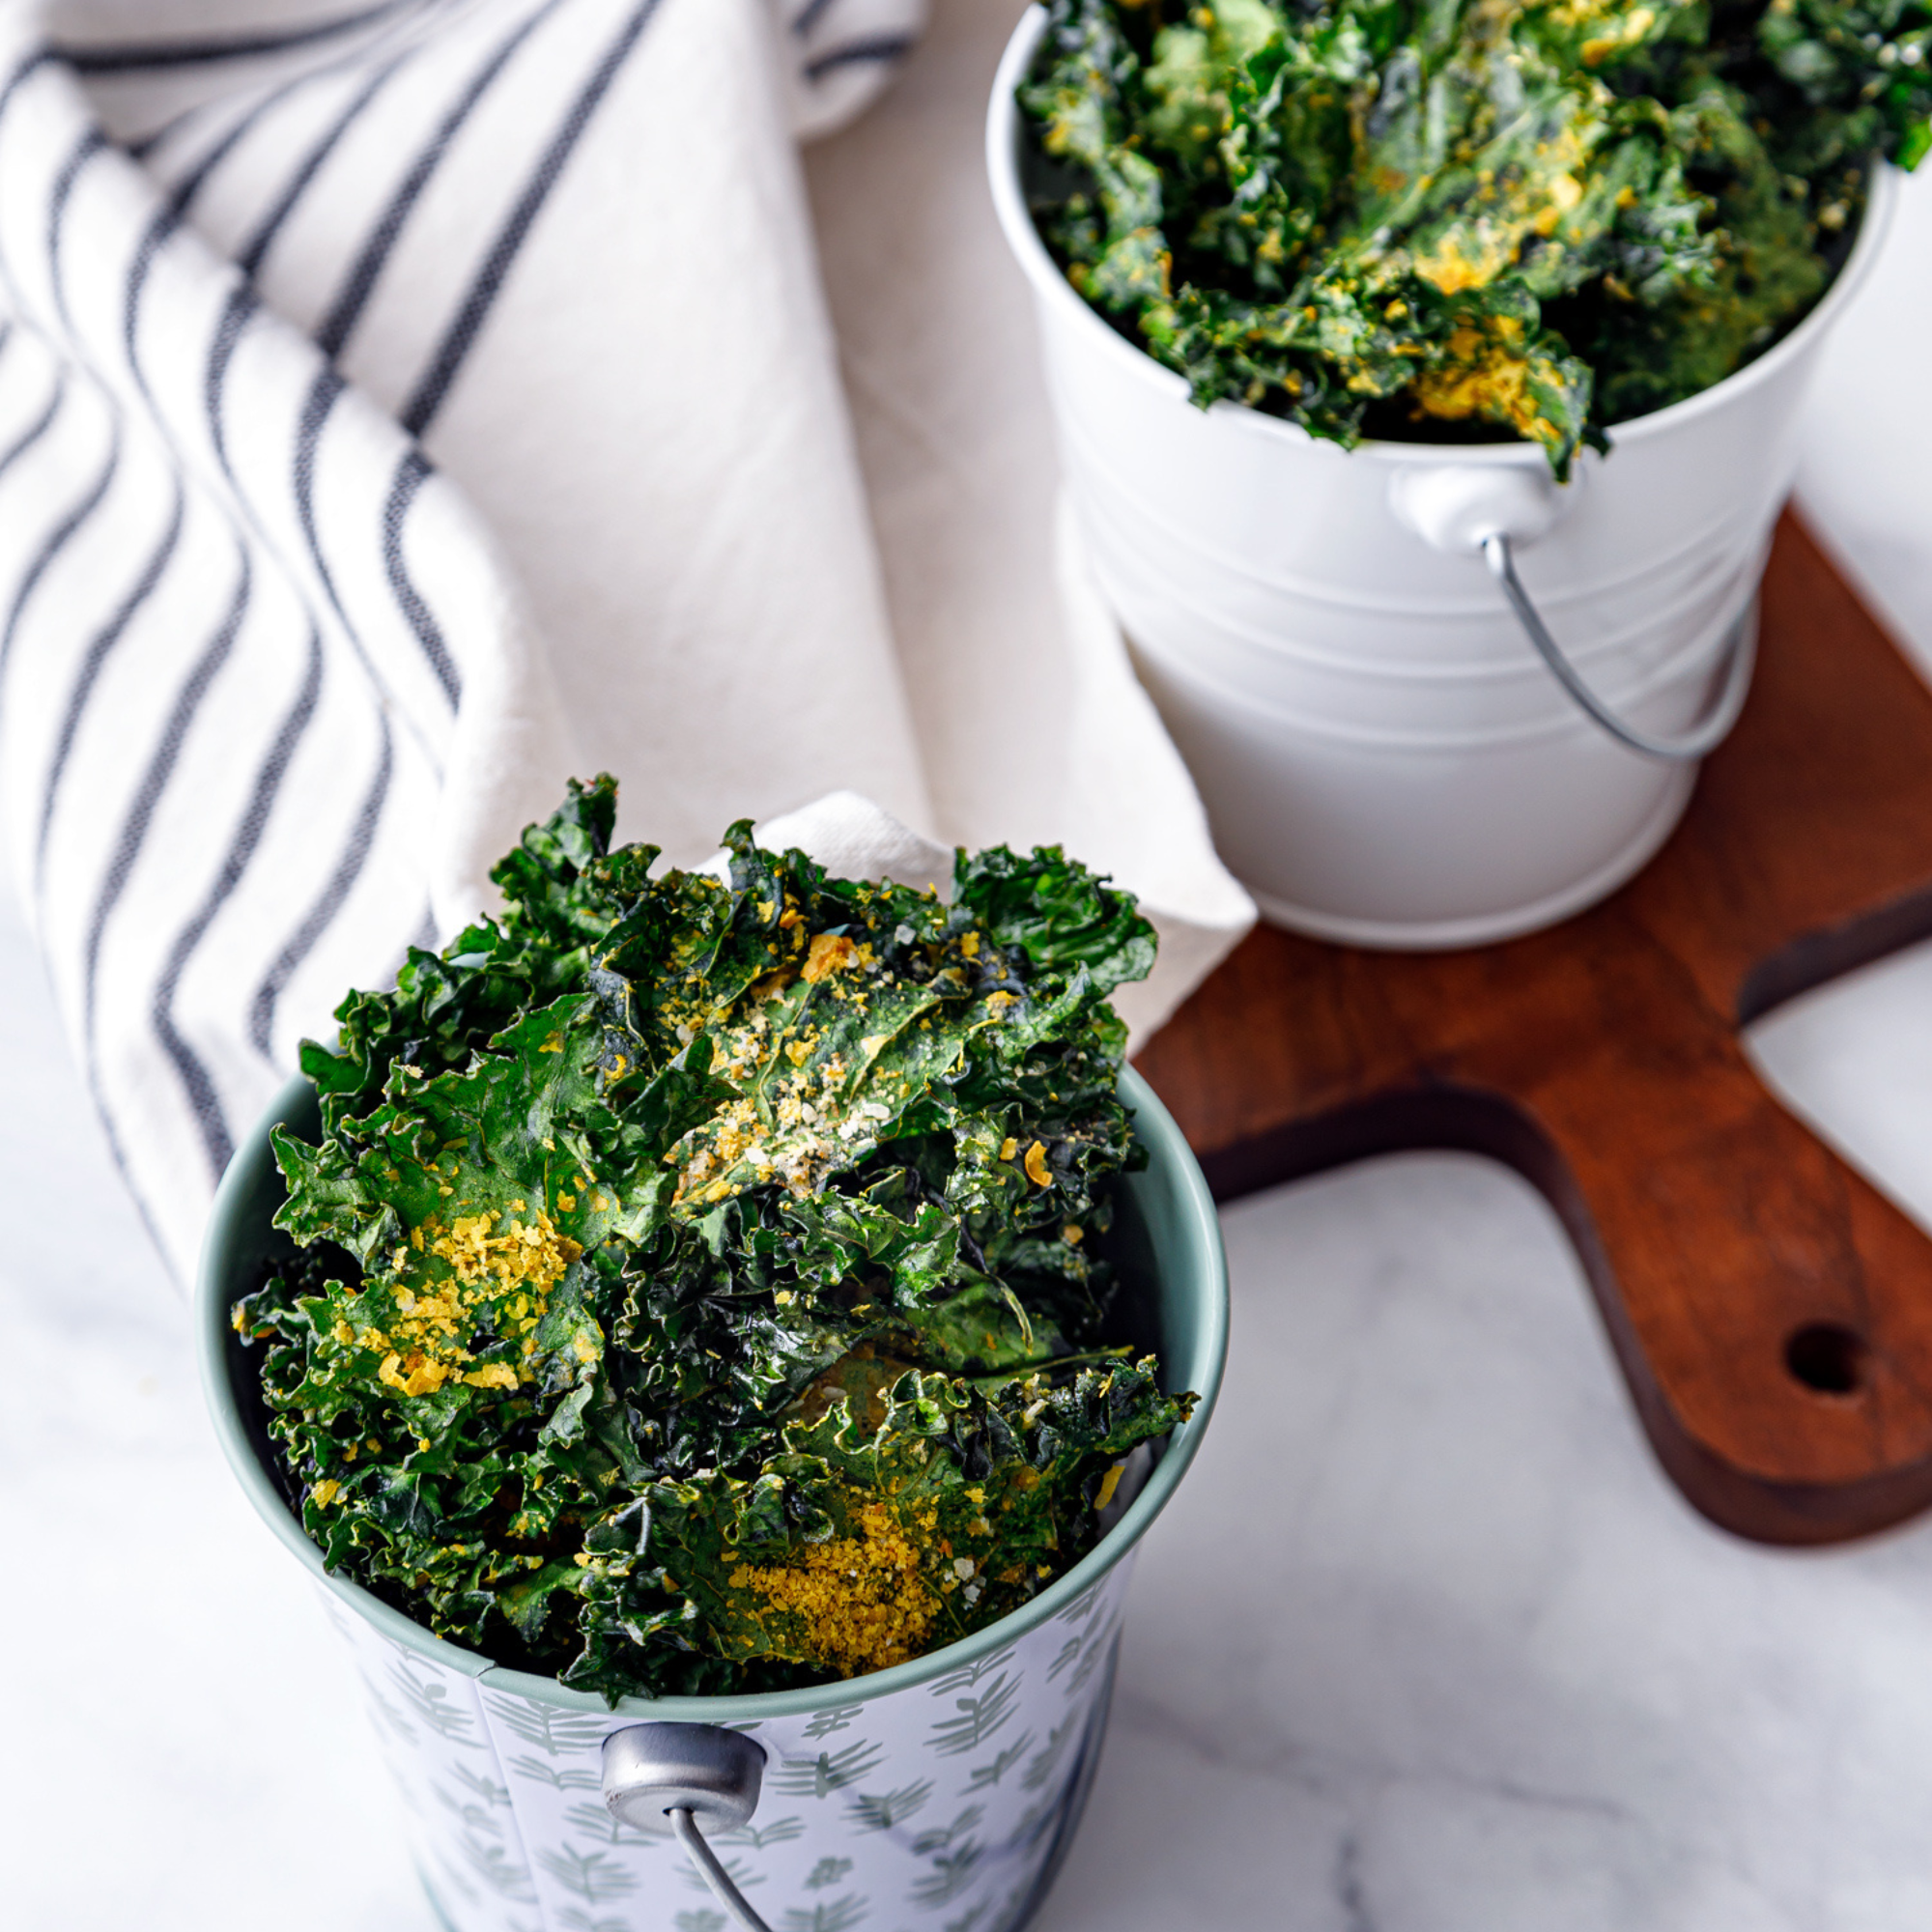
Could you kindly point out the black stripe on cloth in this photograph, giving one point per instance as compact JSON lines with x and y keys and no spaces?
{"x":41,"y":57}
{"x":140,"y":264}
{"x":192,"y":183}
{"x":146,"y":145}
{"x":180,"y":196}
{"x":57,"y":540}
{"x":145,"y":56}
{"x":154,"y":784}
{"x":360,"y":284}
{"x":425,"y":936}
{"x":432,"y":387}
{"x":243,"y":302}
{"x":809,"y":15}
{"x":90,"y":144}
{"x":239,"y":309}
{"x":256,"y":247}
{"x":196,"y":179}
{"x":409,"y":479}
{"x":322,"y":914}
{"x":38,"y":427}
{"x":855,"y":53}
{"x":323,"y":393}
{"x":216,"y":1141}
{"x":112,"y":1128}
{"x":98,"y":651}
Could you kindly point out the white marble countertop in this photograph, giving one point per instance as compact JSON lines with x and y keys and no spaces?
{"x":1427,"y":1642}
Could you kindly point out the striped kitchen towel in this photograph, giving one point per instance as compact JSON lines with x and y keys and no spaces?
{"x":294,"y":298}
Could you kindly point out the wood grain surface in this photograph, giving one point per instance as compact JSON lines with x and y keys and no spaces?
{"x":1772,"y":1312}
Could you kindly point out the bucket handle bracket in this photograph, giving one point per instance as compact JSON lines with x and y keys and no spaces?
{"x":686,"y":1773}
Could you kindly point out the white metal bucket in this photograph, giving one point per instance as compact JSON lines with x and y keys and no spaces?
{"x":1384,"y":758}
{"x":942,"y":1792}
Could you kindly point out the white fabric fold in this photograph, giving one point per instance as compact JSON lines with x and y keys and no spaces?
{"x":404,"y":404}
{"x":262,"y":688}
{"x":1030,"y":720}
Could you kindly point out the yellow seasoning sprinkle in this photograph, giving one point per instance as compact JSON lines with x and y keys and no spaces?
{"x":325,"y":1493}
{"x":1008,"y":1148}
{"x":1109,"y":1483}
{"x":831,"y":952}
{"x":861,"y":1601}
{"x":1036,"y":1165}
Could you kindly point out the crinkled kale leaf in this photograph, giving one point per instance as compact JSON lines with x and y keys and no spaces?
{"x":698,"y":1287}
{"x":1399,"y":216}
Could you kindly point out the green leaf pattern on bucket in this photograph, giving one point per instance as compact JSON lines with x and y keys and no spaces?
{"x":933,"y":1809}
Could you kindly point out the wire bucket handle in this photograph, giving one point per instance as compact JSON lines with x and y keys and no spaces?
{"x":1704,"y":737}
{"x":1462,"y":508}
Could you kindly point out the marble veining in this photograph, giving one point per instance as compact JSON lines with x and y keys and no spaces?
{"x":1435,"y":1646}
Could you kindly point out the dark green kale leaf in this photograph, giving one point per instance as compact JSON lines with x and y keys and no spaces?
{"x":1384,"y":216}
{"x":562,"y":888}
{"x":860,"y":1541}
{"x":666,"y":1234}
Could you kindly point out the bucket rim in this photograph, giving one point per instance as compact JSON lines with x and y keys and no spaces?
{"x":1050,"y":284}
{"x":1104,"y":500}
{"x":237,"y":1209}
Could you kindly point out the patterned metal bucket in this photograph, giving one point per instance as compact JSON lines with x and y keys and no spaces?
{"x":942,"y":1793}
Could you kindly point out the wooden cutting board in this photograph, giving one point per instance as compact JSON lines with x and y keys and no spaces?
{"x":1770,"y":1309}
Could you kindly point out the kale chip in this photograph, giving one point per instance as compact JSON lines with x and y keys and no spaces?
{"x":1421,"y":217}
{"x":698,"y":1286}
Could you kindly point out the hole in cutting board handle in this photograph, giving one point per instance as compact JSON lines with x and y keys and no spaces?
{"x":1827,"y":1358}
